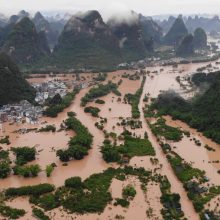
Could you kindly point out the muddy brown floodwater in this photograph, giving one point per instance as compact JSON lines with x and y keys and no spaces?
{"x":93,"y":163}
{"x":176,"y":185}
{"x":47,"y":143}
{"x":200,"y":157}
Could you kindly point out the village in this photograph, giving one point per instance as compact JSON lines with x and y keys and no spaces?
{"x":20,"y":112}
{"x":49,"y":89}
{"x":24,"y":111}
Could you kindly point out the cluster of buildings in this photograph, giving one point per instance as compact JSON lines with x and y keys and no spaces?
{"x":24,"y":111}
{"x":149,"y":62}
{"x":49,"y":89}
{"x":20,"y":112}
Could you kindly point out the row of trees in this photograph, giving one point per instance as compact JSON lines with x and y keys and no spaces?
{"x":27,"y":170}
{"x":35,"y":190}
{"x":11,"y":213}
{"x":134,"y":99}
{"x":23,"y":156}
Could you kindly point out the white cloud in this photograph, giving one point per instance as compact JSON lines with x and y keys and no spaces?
{"x":147,"y":7}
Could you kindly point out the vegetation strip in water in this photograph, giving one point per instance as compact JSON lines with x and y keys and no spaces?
{"x":100,"y":101}
{"x":170,"y":201}
{"x":5,"y":168}
{"x":11,"y":213}
{"x":134,"y":99}
{"x":78,"y":145}
{"x":100,"y":91}
{"x":40,"y":214}
{"x":35,"y":190}
{"x":193,"y":180}
{"x":48,"y":128}
{"x":4,"y":154}
{"x":94,"y":111}
{"x":89,"y":196}
{"x":169,"y":133}
{"x":57,"y":106}
{"x":27,"y":170}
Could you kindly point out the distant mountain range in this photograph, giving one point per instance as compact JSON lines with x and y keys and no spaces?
{"x":86,"y":41}
{"x":208,"y":23}
{"x":185,"y":43}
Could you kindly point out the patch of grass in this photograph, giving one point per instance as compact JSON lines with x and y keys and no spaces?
{"x":47,"y":202}
{"x":27,"y":170}
{"x":49,"y":169}
{"x":131,"y":147}
{"x":5,"y":169}
{"x":169,"y":133}
{"x":99,"y":91}
{"x":137,"y":147}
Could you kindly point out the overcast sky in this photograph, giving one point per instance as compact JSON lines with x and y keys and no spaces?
{"x":147,"y":7}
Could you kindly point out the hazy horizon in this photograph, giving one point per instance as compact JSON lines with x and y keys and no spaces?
{"x":150,"y":7}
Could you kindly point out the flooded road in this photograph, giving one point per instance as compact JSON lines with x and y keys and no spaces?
{"x":200,"y":157}
{"x":176,"y":185}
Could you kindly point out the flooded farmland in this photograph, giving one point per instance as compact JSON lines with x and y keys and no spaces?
{"x":46,"y":144}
